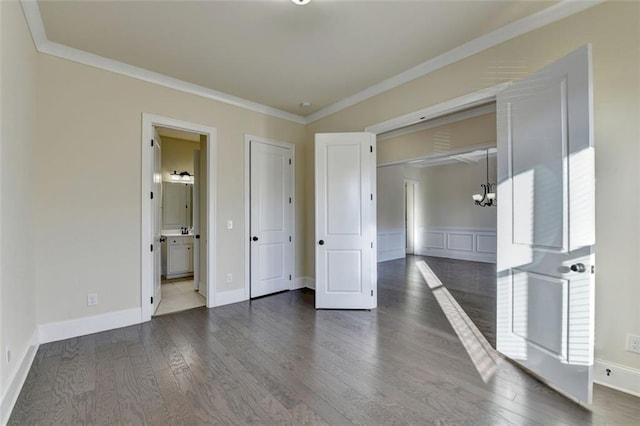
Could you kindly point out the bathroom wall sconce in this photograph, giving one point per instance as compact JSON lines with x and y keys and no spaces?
{"x":182,"y":177}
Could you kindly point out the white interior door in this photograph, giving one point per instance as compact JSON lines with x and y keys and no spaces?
{"x":271,"y":205}
{"x":546,"y":234}
{"x":196,"y":220}
{"x":345,"y":168}
{"x":156,"y":187}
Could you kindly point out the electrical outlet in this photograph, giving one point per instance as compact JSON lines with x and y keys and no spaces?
{"x":92,"y":299}
{"x":229,"y":277}
{"x":633,"y":343}
{"x":8,"y":355}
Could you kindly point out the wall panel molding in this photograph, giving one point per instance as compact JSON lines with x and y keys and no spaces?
{"x":391,"y":244}
{"x":476,"y":244}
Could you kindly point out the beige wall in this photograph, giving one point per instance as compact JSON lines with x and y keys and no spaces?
{"x":613,"y":30}
{"x":17,"y":138}
{"x":445,"y":193}
{"x":177,"y":154}
{"x":479,"y":130}
{"x":390,"y":206}
{"x":88,"y":171}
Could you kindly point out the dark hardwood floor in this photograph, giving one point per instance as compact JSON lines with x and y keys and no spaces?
{"x":279,"y":361}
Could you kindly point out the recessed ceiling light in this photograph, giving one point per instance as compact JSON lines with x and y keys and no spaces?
{"x":301,"y":2}
{"x":305,"y":104}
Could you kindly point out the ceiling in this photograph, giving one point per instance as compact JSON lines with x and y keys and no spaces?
{"x":274,"y":52}
{"x":177,"y":134}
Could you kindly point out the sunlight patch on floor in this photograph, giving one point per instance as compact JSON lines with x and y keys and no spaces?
{"x":485,"y":358}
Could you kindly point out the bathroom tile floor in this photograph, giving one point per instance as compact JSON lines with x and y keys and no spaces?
{"x":178,"y":295}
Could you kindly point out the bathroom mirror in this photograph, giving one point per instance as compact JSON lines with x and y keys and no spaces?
{"x":177,"y":199}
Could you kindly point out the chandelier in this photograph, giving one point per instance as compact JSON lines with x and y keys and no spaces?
{"x":488,"y":197}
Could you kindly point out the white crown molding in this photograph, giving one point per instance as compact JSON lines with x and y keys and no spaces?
{"x":43,"y":45}
{"x":537,"y":20}
{"x":547,"y":16}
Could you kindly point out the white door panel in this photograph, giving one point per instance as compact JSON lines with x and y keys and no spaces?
{"x":546,"y":224}
{"x":271,"y":204}
{"x":156,"y":219}
{"x":345,"y":221}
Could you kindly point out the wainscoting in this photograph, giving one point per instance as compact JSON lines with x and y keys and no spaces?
{"x":391,"y":244}
{"x":458,"y":243}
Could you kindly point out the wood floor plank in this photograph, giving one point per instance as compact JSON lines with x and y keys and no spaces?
{"x":276,"y":360}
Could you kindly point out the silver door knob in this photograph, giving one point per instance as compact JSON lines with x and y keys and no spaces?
{"x":578,"y":267}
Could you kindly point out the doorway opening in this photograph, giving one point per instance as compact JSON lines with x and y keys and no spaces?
{"x":178,"y":213}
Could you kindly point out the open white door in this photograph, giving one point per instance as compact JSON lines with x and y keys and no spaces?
{"x":196,"y":220}
{"x":271,"y":204}
{"x":345,"y":168}
{"x":156,"y":186}
{"x":546,"y":227}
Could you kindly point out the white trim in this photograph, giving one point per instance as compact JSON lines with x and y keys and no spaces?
{"x":522,"y":26}
{"x":387,"y":250}
{"x":230,"y":296}
{"x":43,"y":45}
{"x":442,"y":246}
{"x":247,"y":205}
{"x":440,"y":121}
{"x":547,"y":16}
{"x":146,"y":238}
{"x":300,"y":282}
{"x":19,"y":377}
{"x":622,"y":378}
{"x":447,"y":107}
{"x":54,"y":331}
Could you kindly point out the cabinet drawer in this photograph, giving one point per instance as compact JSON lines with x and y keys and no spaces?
{"x":174,"y":241}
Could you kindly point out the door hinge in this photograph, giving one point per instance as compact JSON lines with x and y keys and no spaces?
{"x":289,"y":161}
{"x":152,"y":300}
{"x":289,"y":200}
{"x":289,"y":277}
{"x":593,"y":269}
{"x":371,"y":293}
{"x":371,"y":197}
{"x":371,"y":244}
{"x":289,"y":238}
{"x":151,"y":247}
{"x":151,"y":142}
{"x":370,"y":148}
{"x":152,"y":195}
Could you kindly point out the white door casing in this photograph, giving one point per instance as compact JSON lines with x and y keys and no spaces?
{"x":209,"y":144}
{"x":271,"y":205}
{"x":410,"y":215}
{"x":157,"y":220}
{"x":546,"y":226}
{"x":345,"y":213}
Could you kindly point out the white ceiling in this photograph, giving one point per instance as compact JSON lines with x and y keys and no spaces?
{"x":274,"y":52}
{"x":177,"y":134}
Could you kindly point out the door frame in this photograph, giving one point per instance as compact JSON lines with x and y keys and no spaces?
{"x":247,"y":208}
{"x":416,"y":186}
{"x":146,"y":275}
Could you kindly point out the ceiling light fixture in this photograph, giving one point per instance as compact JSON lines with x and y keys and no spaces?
{"x":488,"y":198}
{"x":301,"y":2}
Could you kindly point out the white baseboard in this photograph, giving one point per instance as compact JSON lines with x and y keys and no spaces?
{"x":391,"y":255}
{"x":304,"y":282}
{"x":61,"y":330}
{"x":229,"y":297}
{"x":15,"y":384}
{"x":622,"y":378}
{"x":391,"y":244}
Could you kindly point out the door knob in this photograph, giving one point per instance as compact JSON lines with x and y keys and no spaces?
{"x":255,"y":238}
{"x":321,"y":242}
{"x":578,"y":267}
